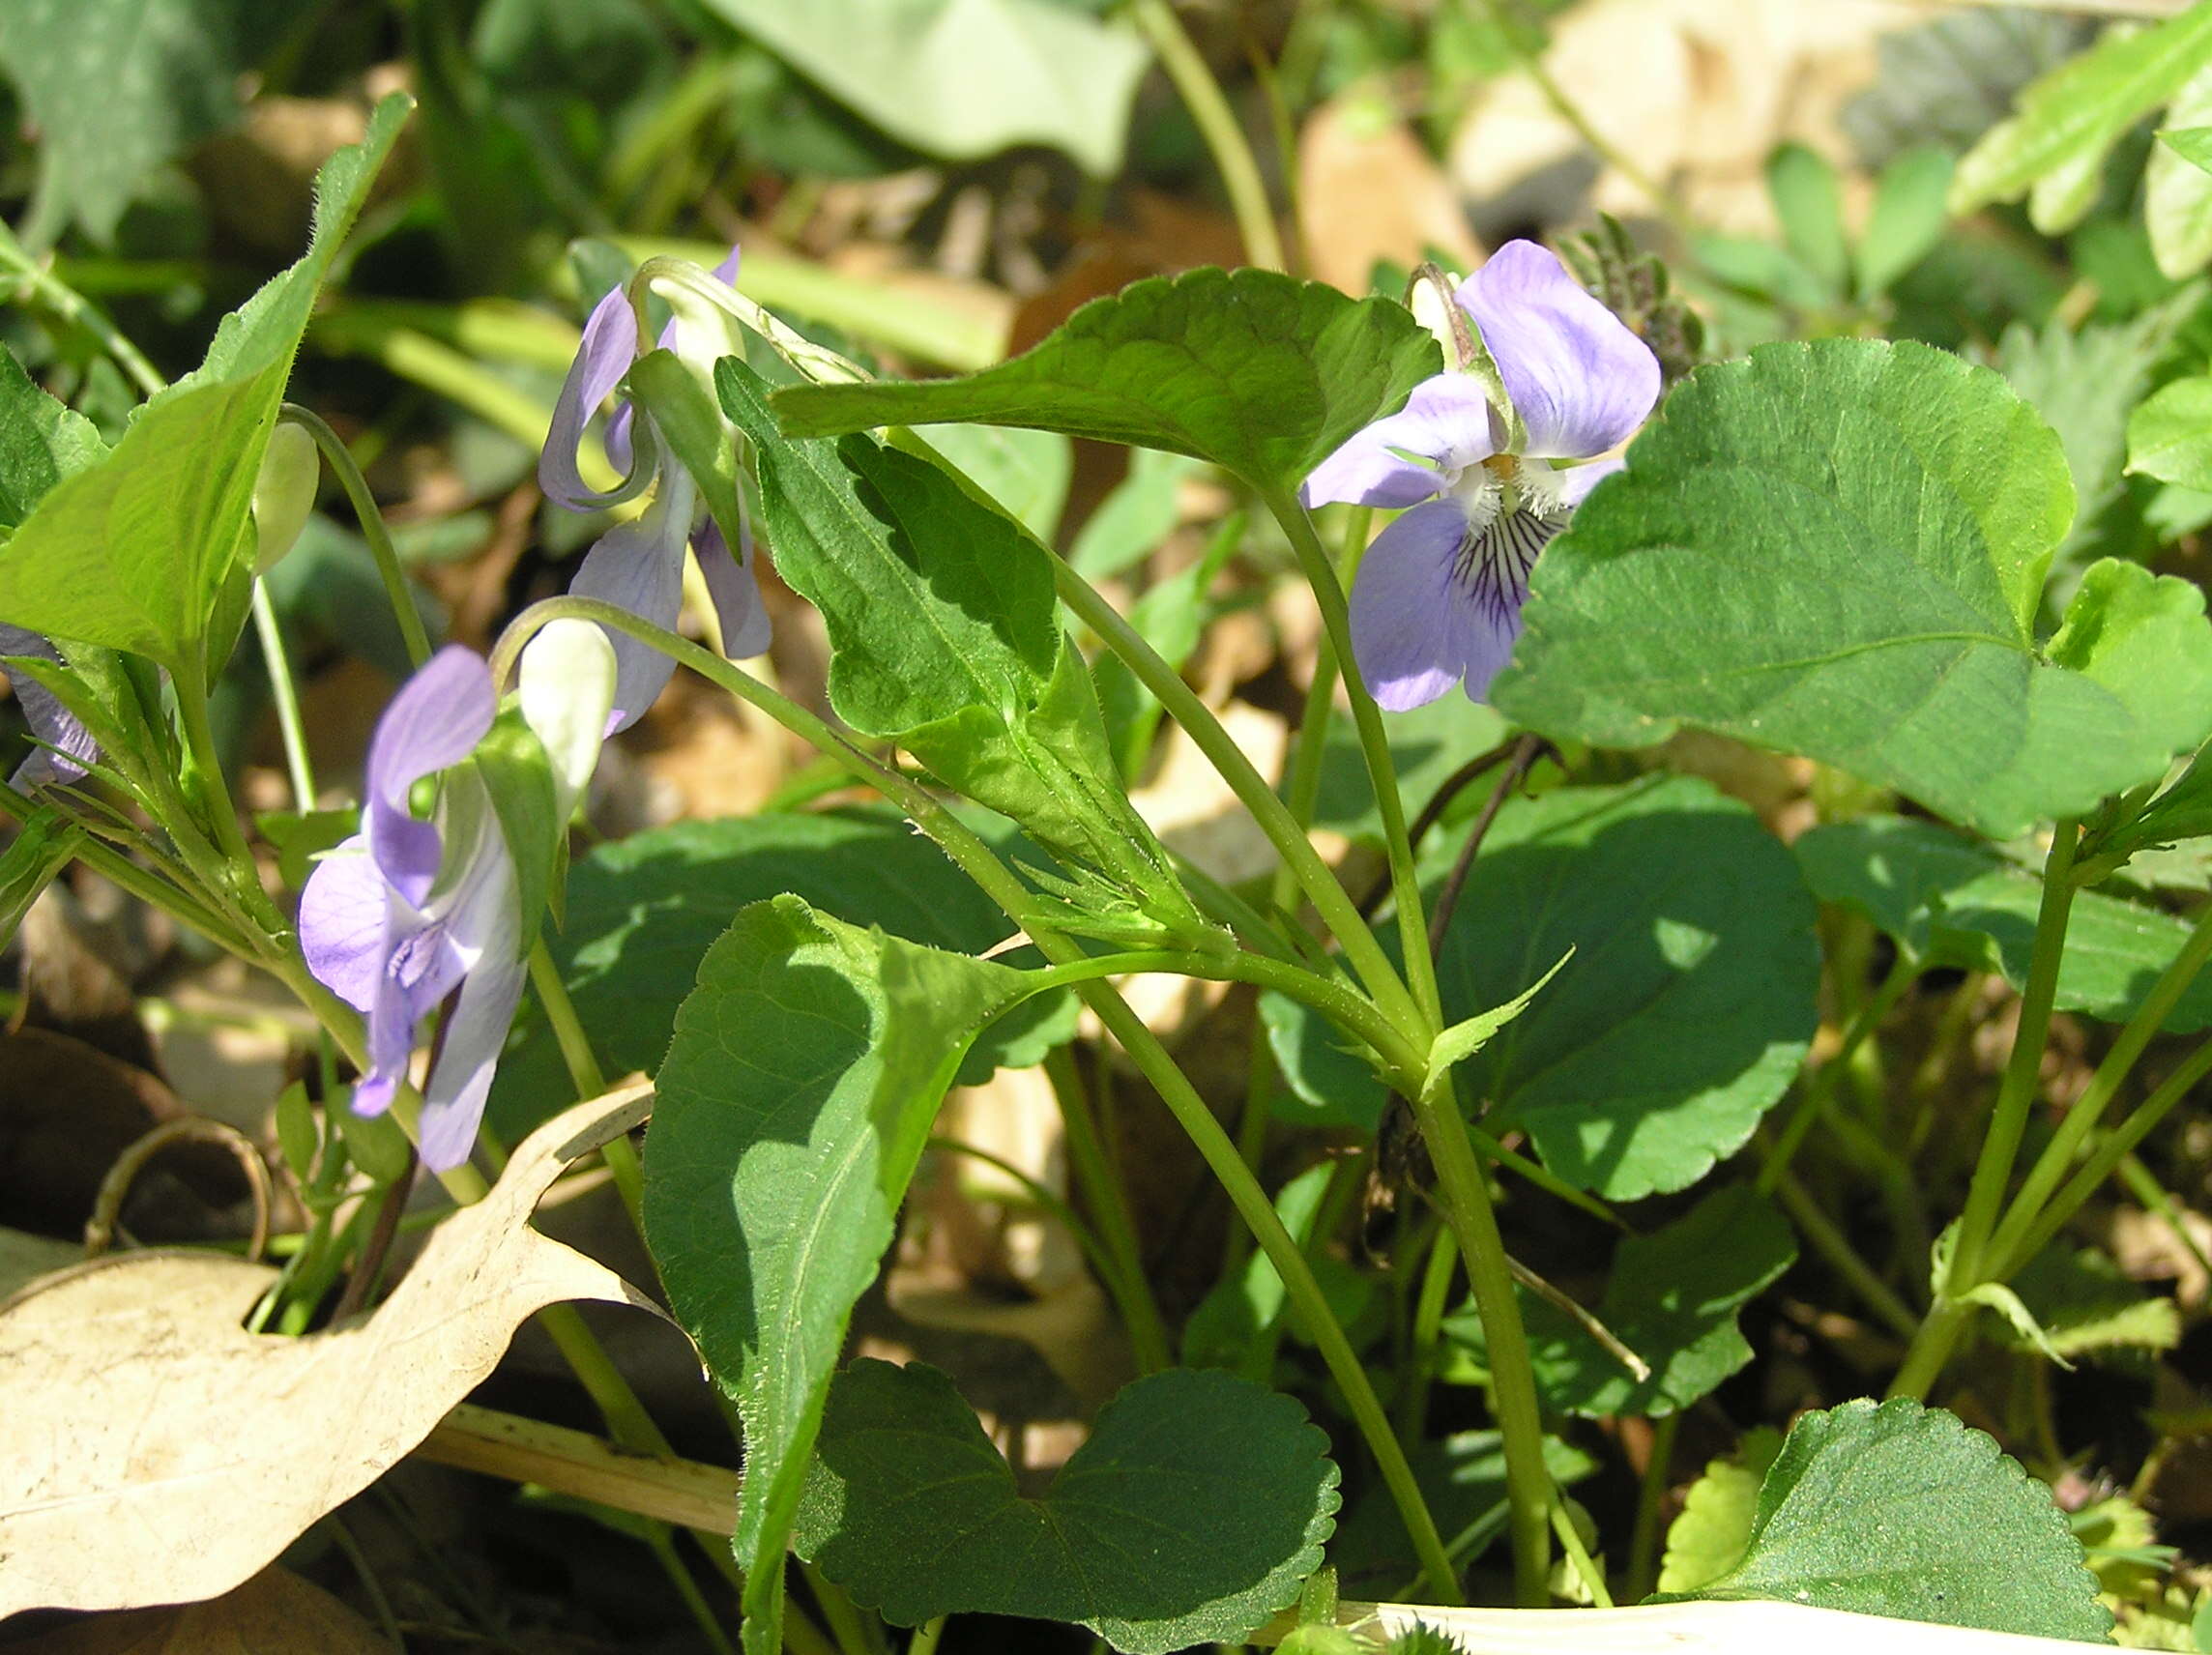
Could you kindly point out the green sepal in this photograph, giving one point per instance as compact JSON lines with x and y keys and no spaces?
{"x":518,"y":777}
{"x":41,"y":848}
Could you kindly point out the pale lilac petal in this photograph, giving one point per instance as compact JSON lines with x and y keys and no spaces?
{"x":638,"y":565}
{"x":485,"y":929}
{"x":70,"y":748}
{"x":1407,"y":617}
{"x":1576,"y":483}
{"x":433,"y":723}
{"x":342,"y":922}
{"x":736,"y":593}
{"x":1579,"y":380}
{"x":1446,"y":422}
{"x":726,"y":273}
{"x":615,"y":440}
{"x":609,"y":346}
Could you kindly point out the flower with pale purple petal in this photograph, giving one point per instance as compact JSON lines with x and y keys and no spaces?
{"x":412,"y":913}
{"x":1438,"y":597}
{"x":638,"y":564}
{"x":69,"y":749}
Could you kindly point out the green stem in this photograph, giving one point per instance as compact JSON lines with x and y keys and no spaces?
{"x":1821,"y":1084}
{"x":285,"y":692}
{"x":2082,"y":1121}
{"x":2109,"y":1155}
{"x":1578,"y":1556}
{"x":1931,"y":1345}
{"x":1652,"y":1493}
{"x":372,"y":528}
{"x":1428,"y":1323}
{"x":1829,"y":1240}
{"x":976,"y":859}
{"x":2024,"y":1067}
{"x":148,"y":886}
{"x":237,"y":877}
{"x":1218,"y":124}
{"x":663,"y":1541}
{"x":1375,"y":744}
{"x":1085,"y":1235}
{"x":584,"y":1075}
{"x":925,"y":1636}
{"x":1330,"y":899}
{"x":78,"y":311}
{"x":1092,"y":1171}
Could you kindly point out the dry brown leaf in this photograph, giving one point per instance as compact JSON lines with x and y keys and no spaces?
{"x":159,"y":1453}
{"x":1368,"y":190}
{"x":273,"y":1613}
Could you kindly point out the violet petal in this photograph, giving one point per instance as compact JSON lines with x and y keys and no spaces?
{"x":1408,"y":615}
{"x":1576,"y":481}
{"x":609,"y":346}
{"x":1446,"y":422}
{"x":70,"y":748}
{"x":735,"y":590}
{"x":432,"y":724}
{"x":342,"y":922}
{"x":484,"y":928}
{"x":638,"y":565}
{"x":1579,"y":380}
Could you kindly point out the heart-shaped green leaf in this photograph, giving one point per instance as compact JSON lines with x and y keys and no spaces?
{"x":1955,"y":902}
{"x":1681,"y":913}
{"x":1191,"y":1514}
{"x":1262,"y":374}
{"x":134,"y":551}
{"x":1901,"y":1510}
{"x":798,"y":1093}
{"x":1838,"y":550}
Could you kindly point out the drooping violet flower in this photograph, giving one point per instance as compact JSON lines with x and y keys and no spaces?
{"x":70,"y":749}
{"x":410,"y":912}
{"x":1438,"y":597}
{"x":638,"y":565}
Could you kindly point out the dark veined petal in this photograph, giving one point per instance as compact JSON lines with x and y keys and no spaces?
{"x":1579,"y":380}
{"x":638,"y":565}
{"x":1446,"y":422}
{"x":432,"y":724}
{"x":69,"y":747}
{"x":1491,"y":577}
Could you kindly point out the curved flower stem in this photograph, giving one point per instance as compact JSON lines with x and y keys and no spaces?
{"x":976,"y":859}
{"x":236,"y":875}
{"x":1100,"y":1184}
{"x":1329,"y":897}
{"x":1218,"y":124}
{"x":372,"y":528}
{"x":1375,"y":744}
{"x":586,"y":1075}
{"x":1465,"y":1194}
{"x":1947,"y":1318}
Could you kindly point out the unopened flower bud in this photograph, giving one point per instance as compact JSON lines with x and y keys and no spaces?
{"x":283,"y":494}
{"x":567,"y":684}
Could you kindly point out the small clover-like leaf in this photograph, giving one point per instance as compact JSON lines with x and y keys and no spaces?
{"x":1192,"y":1512}
{"x":1262,"y":374}
{"x":1901,"y":1510}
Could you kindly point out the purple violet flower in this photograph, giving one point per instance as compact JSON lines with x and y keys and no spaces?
{"x":408,"y":913}
{"x":1438,"y":597}
{"x":638,"y":565}
{"x":70,"y":749}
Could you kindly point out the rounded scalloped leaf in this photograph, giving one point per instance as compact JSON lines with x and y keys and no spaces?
{"x":1195,"y":1508}
{"x":1903,"y":1510}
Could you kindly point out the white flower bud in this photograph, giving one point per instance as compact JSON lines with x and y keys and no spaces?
{"x":283,"y":493}
{"x":566,"y":685}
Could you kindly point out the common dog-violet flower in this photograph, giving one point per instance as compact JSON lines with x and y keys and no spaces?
{"x":638,"y":565}
{"x":1438,"y":597}
{"x":410,"y":911}
{"x":70,"y":749}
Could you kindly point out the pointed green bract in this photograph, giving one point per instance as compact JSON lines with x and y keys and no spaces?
{"x":799,"y":1087}
{"x":946,"y":639}
{"x":1191,"y":1514}
{"x":41,"y":441}
{"x":1901,"y":1510}
{"x":1262,"y":374}
{"x":134,"y":552}
{"x":1838,"y":550}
